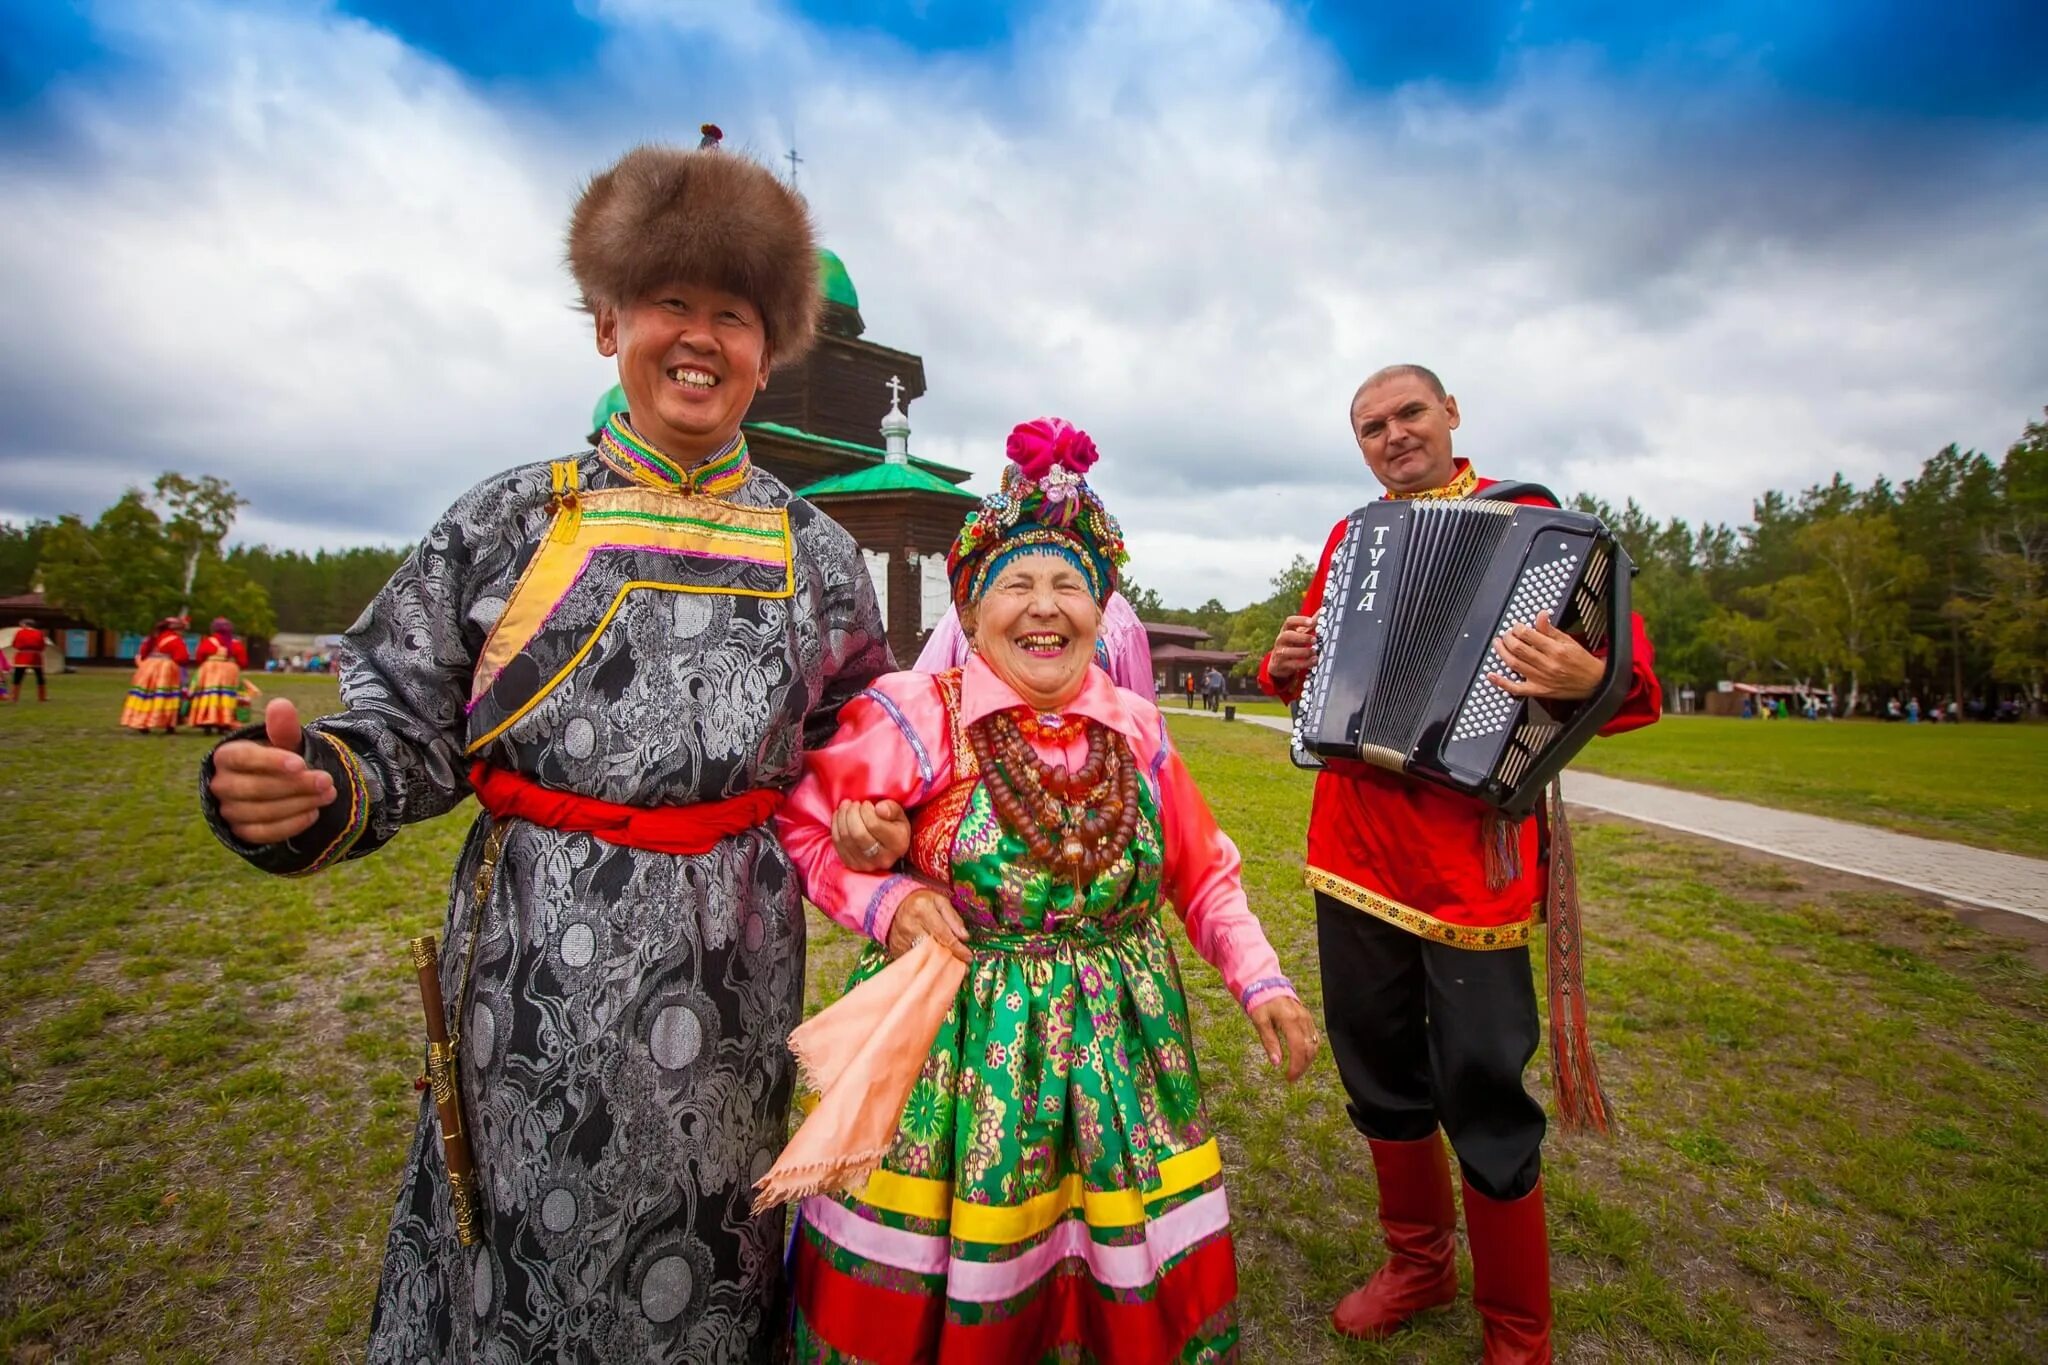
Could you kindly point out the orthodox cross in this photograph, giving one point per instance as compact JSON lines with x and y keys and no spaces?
{"x":895,"y":388}
{"x":794,"y":161}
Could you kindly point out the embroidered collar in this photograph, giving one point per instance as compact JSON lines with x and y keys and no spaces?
{"x":1462,"y":485}
{"x":631,"y":454}
{"x":982,"y":693}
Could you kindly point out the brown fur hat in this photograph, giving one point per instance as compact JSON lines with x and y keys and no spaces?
{"x":660,"y":214}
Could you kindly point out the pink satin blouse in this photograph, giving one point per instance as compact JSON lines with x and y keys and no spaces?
{"x":893,"y":745}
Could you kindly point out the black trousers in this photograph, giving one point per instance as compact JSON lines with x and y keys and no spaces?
{"x":23,"y":670}
{"x":1428,"y":1035}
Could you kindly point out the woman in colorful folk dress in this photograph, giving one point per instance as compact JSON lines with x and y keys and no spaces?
{"x":1054,"y":1189}
{"x":157,"y":689}
{"x":621,"y":653}
{"x":217,"y":682}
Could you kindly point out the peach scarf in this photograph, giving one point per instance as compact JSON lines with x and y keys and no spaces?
{"x":861,"y":1055}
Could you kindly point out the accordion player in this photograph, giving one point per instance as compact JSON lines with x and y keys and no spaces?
{"x":1417,"y":594}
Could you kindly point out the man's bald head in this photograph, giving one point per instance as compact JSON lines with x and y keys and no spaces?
{"x":1382,"y":375}
{"x":1402,"y":419}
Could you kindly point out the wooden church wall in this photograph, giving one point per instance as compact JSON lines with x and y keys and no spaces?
{"x":888,"y":524}
{"x":884,"y":523}
{"x":840,"y":391}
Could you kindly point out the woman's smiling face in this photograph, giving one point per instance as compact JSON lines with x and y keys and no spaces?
{"x":1036,"y":626}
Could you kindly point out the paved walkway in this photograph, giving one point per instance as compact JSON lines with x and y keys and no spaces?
{"x":1955,"y":872}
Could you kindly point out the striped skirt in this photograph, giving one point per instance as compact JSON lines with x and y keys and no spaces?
{"x":216,"y":691}
{"x":1053,"y":1194}
{"x":154,"y":695}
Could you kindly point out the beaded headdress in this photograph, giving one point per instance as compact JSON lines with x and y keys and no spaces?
{"x":1043,"y":506}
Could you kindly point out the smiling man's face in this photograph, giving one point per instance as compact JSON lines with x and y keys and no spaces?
{"x":1404,"y":430}
{"x":691,"y":359}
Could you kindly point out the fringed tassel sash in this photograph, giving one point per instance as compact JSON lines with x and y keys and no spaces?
{"x":1503,"y":852}
{"x":1581,"y":1103}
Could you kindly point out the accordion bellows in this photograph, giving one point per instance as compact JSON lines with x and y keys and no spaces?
{"x":1416,"y":595}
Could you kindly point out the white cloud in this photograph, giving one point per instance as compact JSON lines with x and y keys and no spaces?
{"x":317,"y":265}
{"x":325,"y":267}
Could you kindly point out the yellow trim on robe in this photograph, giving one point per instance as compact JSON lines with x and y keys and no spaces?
{"x":1007,"y":1224}
{"x":631,"y":518}
{"x":1417,"y":922}
{"x":788,"y":589}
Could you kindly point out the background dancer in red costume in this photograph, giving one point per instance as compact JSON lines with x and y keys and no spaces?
{"x":157,"y":690}
{"x":217,"y":682}
{"x":28,"y":647}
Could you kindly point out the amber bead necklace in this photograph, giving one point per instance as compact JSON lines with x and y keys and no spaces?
{"x":1076,"y":822}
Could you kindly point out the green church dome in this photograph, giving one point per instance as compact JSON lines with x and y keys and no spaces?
{"x":837,"y":284}
{"x":613,"y":401}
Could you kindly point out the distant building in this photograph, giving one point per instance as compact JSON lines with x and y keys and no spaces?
{"x":82,"y":642}
{"x":1729,"y":698}
{"x":1178,"y":651}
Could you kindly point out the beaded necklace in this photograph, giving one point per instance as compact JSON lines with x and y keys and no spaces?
{"x":1076,"y":822}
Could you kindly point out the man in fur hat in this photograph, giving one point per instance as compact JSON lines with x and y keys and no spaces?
{"x":621,"y":654}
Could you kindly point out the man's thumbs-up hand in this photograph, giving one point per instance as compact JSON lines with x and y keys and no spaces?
{"x":267,"y":792}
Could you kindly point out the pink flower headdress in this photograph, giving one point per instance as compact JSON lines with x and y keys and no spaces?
{"x":1044,"y":505}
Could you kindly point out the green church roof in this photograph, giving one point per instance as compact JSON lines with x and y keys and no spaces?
{"x":884,"y":478}
{"x":614,"y":401}
{"x":874,"y":452}
{"x":837,"y":284}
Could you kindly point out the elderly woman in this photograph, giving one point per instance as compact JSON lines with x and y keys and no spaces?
{"x":1054,"y":1189}
{"x":1120,"y":646}
{"x":620,"y":653}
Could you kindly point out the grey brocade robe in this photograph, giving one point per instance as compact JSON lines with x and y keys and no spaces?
{"x":625,"y":1069}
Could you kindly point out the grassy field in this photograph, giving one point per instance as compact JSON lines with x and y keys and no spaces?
{"x":1834,"y":1144}
{"x":1976,"y":784}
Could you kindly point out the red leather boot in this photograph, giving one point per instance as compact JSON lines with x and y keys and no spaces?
{"x":1421,"y":1225}
{"x":1510,"y":1275}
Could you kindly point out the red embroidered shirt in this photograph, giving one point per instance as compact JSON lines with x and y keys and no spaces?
{"x":169,"y":644}
{"x":1413,"y":853}
{"x":231,"y":648}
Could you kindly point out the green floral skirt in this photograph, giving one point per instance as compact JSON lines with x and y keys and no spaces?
{"x":1053,"y":1192}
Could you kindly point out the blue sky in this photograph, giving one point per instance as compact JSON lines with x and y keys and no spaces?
{"x":1878,"y":56}
{"x":1681,"y":253}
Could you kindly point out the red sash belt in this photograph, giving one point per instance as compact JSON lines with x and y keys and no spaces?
{"x":658,"y":829}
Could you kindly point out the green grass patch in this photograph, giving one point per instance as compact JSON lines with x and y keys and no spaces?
{"x":1975,"y":784}
{"x":1833,"y":1141}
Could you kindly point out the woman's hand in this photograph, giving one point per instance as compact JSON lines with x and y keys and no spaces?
{"x":1281,"y":1018}
{"x":926,"y":914}
{"x":870,"y":836}
{"x":267,"y":793}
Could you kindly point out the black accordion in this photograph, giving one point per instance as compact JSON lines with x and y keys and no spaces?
{"x":1416,"y":595}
